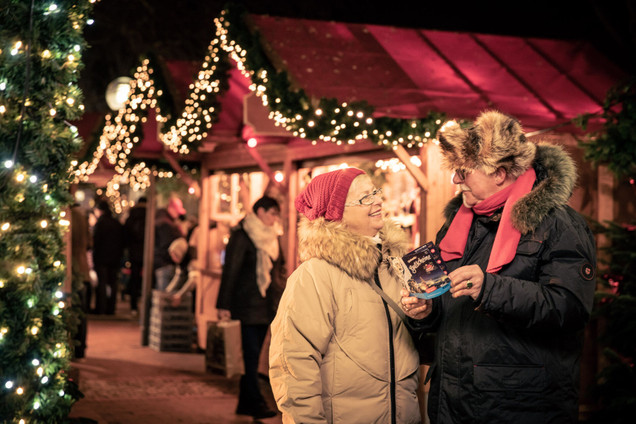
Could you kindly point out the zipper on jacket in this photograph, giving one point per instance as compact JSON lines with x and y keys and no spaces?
{"x":391,"y":353}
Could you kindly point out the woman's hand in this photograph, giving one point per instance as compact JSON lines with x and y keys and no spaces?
{"x":414,"y":307}
{"x":223,"y":315}
{"x":466,"y":281}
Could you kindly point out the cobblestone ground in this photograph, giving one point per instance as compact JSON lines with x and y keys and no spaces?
{"x":124,"y":382}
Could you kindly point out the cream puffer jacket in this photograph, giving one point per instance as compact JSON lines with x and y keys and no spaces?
{"x":338,"y":354}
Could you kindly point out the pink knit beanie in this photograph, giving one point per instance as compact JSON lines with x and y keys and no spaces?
{"x":326,"y":194}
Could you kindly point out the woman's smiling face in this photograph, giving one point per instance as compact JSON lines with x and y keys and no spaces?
{"x":363,"y":219}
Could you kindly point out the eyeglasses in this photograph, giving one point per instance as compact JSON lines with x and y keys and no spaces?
{"x":367,"y":200}
{"x":461,"y":173}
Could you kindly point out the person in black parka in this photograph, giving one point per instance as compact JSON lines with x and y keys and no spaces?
{"x":108,"y":249}
{"x":134,"y":234}
{"x":252,"y":282}
{"x":509,"y":333}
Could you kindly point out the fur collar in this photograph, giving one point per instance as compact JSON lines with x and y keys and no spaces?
{"x":353,"y":253}
{"x":556,"y":177}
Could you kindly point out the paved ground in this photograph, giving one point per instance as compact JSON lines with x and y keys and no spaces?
{"x":124,"y":382}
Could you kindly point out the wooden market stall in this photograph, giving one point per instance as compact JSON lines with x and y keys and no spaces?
{"x":277,"y":99}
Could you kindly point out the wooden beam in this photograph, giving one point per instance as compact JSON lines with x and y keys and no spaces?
{"x":184,"y":175}
{"x":415,"y":171}
{"x":230,"y":156}
{"x":265,"y":167}
{"x":290,"y":169}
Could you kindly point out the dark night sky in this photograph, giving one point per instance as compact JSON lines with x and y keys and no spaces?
{"x":182,"y":29}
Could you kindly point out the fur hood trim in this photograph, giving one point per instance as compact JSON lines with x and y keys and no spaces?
{"x":556,"y":178}
{"x":355,"y":254}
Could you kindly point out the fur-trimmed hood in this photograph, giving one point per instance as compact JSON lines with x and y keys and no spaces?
{"x":556,"y":178}
{"x":355,"y":254}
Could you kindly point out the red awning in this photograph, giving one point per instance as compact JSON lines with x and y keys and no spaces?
{"x":405,"y":73}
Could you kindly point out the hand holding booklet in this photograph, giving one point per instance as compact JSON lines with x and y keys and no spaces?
{"x":423,"y":271}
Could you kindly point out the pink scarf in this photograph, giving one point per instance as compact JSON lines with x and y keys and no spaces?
{"x":507,"y":237}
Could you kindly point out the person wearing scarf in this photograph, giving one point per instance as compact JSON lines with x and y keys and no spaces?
{"x":509,"y":333}
{"x":252,"y":281}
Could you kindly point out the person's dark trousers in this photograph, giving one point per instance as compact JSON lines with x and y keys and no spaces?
{"x":252,"y":337}
{"x":84,"y":298}
{"x":134,"y":284}
{"x":106,"y":300}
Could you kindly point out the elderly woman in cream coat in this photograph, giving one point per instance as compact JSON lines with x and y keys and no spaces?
{"x":339,"y":353}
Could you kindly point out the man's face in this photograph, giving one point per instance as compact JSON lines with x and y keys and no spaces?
{"x":269,"y":217}
{"x":476,"y":186}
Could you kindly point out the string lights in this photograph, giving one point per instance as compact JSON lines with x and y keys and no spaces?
{"x":323,"y":120}
{"x":39,"y":96}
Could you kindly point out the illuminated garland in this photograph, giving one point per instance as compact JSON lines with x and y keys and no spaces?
{"x":41,"y":46}
{"x":329,"y":120}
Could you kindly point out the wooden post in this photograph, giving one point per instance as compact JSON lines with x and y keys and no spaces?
{"x":291,"y":176}
{"x":441,"y":191}
{"x":149,"y":247}
{"x":416,"y":172}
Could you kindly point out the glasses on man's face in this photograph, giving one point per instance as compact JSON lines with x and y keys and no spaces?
{"x":367,"y":200}
{"x":461,"y":173}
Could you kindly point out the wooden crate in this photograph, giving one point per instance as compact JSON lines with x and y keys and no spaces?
{"x":171,"y":327}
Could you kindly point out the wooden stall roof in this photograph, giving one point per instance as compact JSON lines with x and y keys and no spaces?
{"x":405,"y":73}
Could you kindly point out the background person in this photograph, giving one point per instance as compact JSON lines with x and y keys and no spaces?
{"x":108,"y":249}
{"x":521,"y":262}
{"x":80,"y":244}
{"x":339,"y":353}
{"x":134,"y":235}
{"x":252,"y":280}
{"x":167,"y":230}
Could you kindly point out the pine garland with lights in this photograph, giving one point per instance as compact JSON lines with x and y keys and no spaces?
{"x":41,"y":45}
{"x":318,"y":120}
{"x":314,"y":119}
{"x":615,"y":303}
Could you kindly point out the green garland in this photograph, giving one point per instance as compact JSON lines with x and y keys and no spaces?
{"x":41,"y":44}
{"x":615,"y":144}
{"x":295,"y":105}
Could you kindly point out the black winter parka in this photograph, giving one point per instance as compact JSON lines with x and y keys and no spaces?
{"x":512,"y":355}
{"x":239,"y":292}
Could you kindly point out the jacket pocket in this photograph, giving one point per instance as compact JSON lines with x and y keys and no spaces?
{"x":519,"y":378}
{"x":526,"y":261}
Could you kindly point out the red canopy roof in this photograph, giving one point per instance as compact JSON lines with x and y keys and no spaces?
{"x":405,"y":73}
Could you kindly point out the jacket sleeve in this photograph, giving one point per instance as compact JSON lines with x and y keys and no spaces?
{"x":234,"y":255}
{"x":301,"y":333}
{"x":562,"y":298}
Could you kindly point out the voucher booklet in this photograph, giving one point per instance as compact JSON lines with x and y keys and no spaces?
{"x":423,"y":271}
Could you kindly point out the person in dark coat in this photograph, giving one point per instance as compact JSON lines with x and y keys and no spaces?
{"x":134,"y":235}
{"x":166,"y":231}
{"x":80,"y":244}
{"x":252,"y":281}
{"x":108,"y":250}
{"x":522,"y":269}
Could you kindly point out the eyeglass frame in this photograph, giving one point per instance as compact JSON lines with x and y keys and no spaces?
{"x":461,"y":173}
{"x":372,"y":196}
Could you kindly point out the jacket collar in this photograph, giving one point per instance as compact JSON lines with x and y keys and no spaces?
{"x":556,"y":178}
{"x":355,"y":254}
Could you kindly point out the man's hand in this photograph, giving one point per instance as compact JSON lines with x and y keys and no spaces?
{"x":466,"y":281}
{"x":414,"y":307}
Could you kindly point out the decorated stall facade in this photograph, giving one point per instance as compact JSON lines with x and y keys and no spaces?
{"x":276,"y":100}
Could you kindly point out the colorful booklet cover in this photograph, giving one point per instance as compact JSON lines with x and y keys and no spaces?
{"x":423,"y":271}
